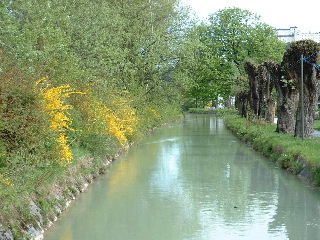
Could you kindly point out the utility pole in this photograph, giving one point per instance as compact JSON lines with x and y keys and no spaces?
{"x":301,"y":99}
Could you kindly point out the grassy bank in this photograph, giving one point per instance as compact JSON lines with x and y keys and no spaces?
{"x":220,"y":112}
{"x":202,"y":110}
{"x":296,"y":155}
{"x":317,"y":125}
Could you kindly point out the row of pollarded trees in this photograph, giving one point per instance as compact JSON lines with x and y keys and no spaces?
{"x":285,"y":79}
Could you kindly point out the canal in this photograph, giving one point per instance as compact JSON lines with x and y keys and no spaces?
{"x":193,"y":180}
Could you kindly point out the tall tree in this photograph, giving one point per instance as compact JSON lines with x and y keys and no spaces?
{"x":210,"y":77}
{"x":237,"y":35}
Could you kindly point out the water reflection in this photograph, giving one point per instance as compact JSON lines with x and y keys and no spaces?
{"x":193,"y":181}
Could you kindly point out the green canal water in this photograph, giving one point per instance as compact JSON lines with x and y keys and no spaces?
{"x":193,"y":180}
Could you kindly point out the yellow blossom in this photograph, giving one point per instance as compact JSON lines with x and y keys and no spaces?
{"x":118,"y":117}
{"x":65,"y":150}
{"x":57,"y":109}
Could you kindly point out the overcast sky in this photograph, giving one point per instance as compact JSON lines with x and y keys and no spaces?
{"x":277,"y":13}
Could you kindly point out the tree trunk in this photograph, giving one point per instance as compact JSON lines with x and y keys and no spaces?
{"x":272,"y":71}
{"x":251,"y":70}
{"x":254,"y":96}
{"x":310,"y":99}
{"x":242,"y":103}
{"x":270,"y":110}
{"x":237,"y":103}
{"x":287,"y":96}
{"x":288,"y":101}
{"x":263,"y":90}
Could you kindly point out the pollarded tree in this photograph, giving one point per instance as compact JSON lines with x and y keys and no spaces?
{"x":262,"y":79}
{"x":287,"y":97}
{"x":270,"y":104}
{"x":242,"y":100}
{"x":266,"y":105}
{"x":252,"y":71}
{"x":259,"y":87}
{"x":292,"y":64}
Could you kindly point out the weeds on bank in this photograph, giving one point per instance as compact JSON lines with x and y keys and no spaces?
{"x":217,"y":111}
{"x":285,"y":149}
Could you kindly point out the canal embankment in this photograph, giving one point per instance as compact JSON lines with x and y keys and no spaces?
{"x":43,"y":206}
{"x":300,"y":157}
{"x":37,"y":210}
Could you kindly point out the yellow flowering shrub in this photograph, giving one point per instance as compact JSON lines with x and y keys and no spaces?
{"x":54,"y":104}
{"x":118,"y":117}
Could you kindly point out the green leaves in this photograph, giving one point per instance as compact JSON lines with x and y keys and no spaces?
{"x":102,"y":47}
{"x":219,"y":49}
{"x":239,"y":35}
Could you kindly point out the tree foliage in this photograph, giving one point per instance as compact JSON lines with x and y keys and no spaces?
{"x":221,"y":48}
{"x":120,"y":55}
{"x":239,"y":35}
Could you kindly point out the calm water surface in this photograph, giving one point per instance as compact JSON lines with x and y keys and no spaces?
{"x":193,"y":180}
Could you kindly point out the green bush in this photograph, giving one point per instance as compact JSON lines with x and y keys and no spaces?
{"x":24,"y":130}
{"x":101,"y":59}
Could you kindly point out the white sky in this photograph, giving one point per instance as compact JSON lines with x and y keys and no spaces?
{"x":277,"y":13}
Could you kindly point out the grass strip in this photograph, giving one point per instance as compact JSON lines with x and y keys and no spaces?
{"x":294,"y":154}
{"x":317,"y":125}
{"x":218,"y":111}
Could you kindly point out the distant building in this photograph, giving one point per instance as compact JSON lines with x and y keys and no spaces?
{"x":292,"y":34}
{"x":287,"y":34}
